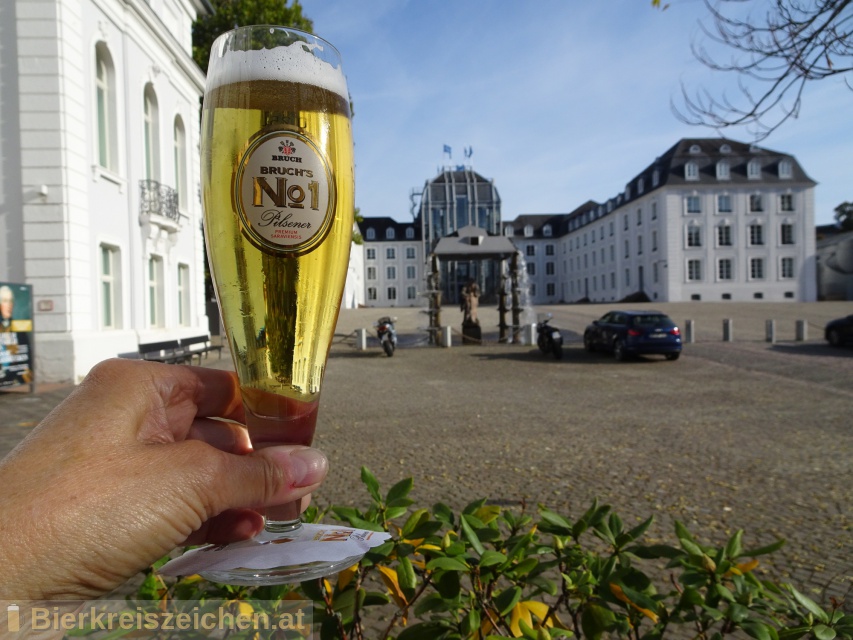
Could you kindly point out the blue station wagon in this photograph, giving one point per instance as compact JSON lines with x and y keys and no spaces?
{"x":627,"y":333}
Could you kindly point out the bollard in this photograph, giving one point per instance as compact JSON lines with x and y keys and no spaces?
{"x":529,"y":336}
{"x":689,"y":333}
{"x":802,"y":331}
{"x":727,"y":330}
{"x":446,"y":336}
{"x":770,"y":331}
{"x":361,"y":339}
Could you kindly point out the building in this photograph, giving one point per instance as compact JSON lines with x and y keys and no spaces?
{"x":393,"y":263}
{"x":456,"y":198}
{"x":709,"y":219}
{"x":99,"y":204}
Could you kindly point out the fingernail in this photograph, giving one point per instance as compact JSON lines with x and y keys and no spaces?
{"x":307,"y":466}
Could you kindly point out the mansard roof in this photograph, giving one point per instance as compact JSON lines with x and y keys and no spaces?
{"x":538,"y":222}
{"x":381,"y":225}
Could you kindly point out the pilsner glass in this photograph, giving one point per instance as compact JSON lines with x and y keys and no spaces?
{"x":277,"y":183}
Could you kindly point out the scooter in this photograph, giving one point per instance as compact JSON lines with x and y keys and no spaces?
{"x":387,"y":334}
{"x":549,"y":339}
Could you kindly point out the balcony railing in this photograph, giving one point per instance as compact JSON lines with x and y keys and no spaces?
{"x":157,"y":199}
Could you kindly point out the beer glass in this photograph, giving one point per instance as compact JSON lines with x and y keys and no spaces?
{"x":277,"y":184}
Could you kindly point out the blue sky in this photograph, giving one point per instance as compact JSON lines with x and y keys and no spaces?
{"x":561,"y":101}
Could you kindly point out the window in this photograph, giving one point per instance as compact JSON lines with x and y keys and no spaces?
{"x":724,"y":203}
{"x":110,"y":287}
{"x":531,"y":268}
{"x":694,"y":236}
{"x":694,"y":204}
{"x":655,"y":272}
{"x":371,"y":293}
{"x":724,"y":269}
{"x":411,"y":293}
{"x":655,"y":177}
{"x":786,"y":169}
{"x":410,"y":253}
{"x":724,"y":235}
{"x":184,"y":295}
{"x":550,"y":289}
{"x":391,"y":273}
{"x":528,"y":231}
{"x":612,"y":279}
{"x":371,"y":254}
{"x":691,"y":171}
{"x":411,"y":272}
{"x":389,"y":233}
{"x":625,"y":226}
{"x":371,"y":273}
{"x":756,"y":205}
{"x":410,"y":233}
{"x":639,"y":216}
{"x":550,"y":269}
{"x":392,"y":293}
{"x":105,"y":101}
{"x":155,"y":292}
{"x":654,"y":210}
{"x":549,"y":249}
{"x":612,"y":228}
{"x":639,"y":245}
{"x":756,"y":268}
{"x":753,"y":170}
{"x":723,"y":170}
{"x":786,"y":233}
{"x":787,"y":268}
{"x":371,"y":234}
{"x":786,"y":202}
{"x":547,"y":231}
{"x":756,"y":234}
{"x":641,"y":184}
{"x":654,"y":240}
{"x":530,"y":250}
{"x":627,"y":249}
{"x":151,"y":134}
{"x":694,"y":270}
{"x":627,"y":277}
{"x":181,"y":163}
{"x":390,"y":253}
{"x":508,"y":230}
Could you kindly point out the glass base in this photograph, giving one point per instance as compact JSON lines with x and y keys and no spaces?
{"x":281,"y":575}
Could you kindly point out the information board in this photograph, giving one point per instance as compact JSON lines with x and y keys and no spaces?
{"x":16,"y":334}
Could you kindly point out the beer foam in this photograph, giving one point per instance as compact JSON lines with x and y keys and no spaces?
{"x":291,"y":63}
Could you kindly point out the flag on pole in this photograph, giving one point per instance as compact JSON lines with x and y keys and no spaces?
{"x":469,"y":151}
{"x":448,"y":151}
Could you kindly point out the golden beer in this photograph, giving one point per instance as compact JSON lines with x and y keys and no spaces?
{"x":265,"y":145}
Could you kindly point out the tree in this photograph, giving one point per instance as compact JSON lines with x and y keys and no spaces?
{"x":844,"y":215}
{"x":775,"y":53}
{"x":229,"y":14}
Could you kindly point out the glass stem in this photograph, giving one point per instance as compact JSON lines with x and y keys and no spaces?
{"x":283,"y":518}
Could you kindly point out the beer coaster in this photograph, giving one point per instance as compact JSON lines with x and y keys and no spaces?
{"x":308,"y":543}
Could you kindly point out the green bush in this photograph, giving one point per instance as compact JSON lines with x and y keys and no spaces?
{"x":490,"y":572}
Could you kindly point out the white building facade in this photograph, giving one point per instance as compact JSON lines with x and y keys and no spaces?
{"x":393,"y":263}
{"x":99,"y":204}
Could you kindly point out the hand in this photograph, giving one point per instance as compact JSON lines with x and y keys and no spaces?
{"x":130,"y":466}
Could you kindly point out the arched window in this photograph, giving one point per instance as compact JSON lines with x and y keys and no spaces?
{"x":546,"y":231}
{"x":691,"y":171}
{"x":105,"y":106}
{"x":371,"y":234}
{"x":528,"y":231}
{"x":786,"y":169}
{"x":180,"y":143}
{"x":508,"y":230}
{"x":389,"y":233}
{"x":151,"y":137}
{"x":753,"y":170}
{"x":410,"y":233}
{"x":723,"y":171}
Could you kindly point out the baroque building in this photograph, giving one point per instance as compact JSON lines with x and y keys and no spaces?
{"x":710,"y":219}
{"x":99,"y":200}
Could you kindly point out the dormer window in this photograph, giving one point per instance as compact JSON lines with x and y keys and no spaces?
{"x":370,"y":234}
{"x":546,"y":231}
{"x":508,"y":230}
{"x":389,"y":233}
{"x":786,"y":169}
{"x":691,"y":171}
{"x":723,"y":170}
{"x":655,"y":178}
{"x":410,"y":233}
{"x":528,"y":231}
{"x":725,"y":149}
{"x":753,"y":170}
{"x":641,"y":184}
{"x":695,"y":149}
{"x":628,"y":192}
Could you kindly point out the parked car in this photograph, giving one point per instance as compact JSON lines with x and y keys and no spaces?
{"x":839,"y":331}
{"x":627,"y":333}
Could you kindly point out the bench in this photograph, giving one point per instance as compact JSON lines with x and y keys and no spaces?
{"x":168,"y":351}
{"x":198,"y":346}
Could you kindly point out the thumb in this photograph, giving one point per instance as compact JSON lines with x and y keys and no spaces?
{"x":267,"y":477}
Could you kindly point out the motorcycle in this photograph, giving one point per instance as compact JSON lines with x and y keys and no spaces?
{"x":549,"y":339}
{"x":387,"y":334}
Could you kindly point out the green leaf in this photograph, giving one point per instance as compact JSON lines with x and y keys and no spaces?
{"x":432,"y":630}
{"x":395,"y":512}
{"x":559,"y":524}
{"x":471,"y":535}
{"x":400,"y":490}
{"x":443,"y":513}
{"x":447,"y":564}
{"x":759,"y":630}
{"x":596,"y":620}
{"x":406,"y":576}
{"x":734,"y":546}
{"x":414,"y":519}
{"x":507,"y":599}
{"x":762,"y":551}
{"x":654,"y":551}
{"x":371,"y":483}
{"x":490,"y":558}
{"x":810,"y":605}
{"x":822,"y":632}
